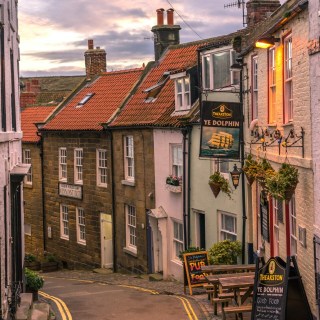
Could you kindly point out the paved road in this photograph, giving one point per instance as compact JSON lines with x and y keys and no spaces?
{"x":99,"y":301}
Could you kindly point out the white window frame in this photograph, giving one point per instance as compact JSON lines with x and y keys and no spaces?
{"x":208,"y":69}
{"x":129,"y":158}
{"x":288,"y":82}
{"x":64,"y":222}
{"x":276,"y":231}
{"x":78,"y":166}
{"x":272,"y":85}
{"x":293,"y":227}
{"x":177,"y":239}
{"x":254,"y":85}
{"x":27,"y":160}
{"x":102,"y":175}
{"x":131,"y":228}
{"x":27,"y":229}
{"x":81,"y":226}
{"x":223,"y":167}
{"x":182,"y":93}
{"x":176,"y":160}
{"x":224,"y":233}
{"x":63,"y":164}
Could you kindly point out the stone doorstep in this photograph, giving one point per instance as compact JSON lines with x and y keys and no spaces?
{"x":40,"y":311}
{"x":25,"y":305}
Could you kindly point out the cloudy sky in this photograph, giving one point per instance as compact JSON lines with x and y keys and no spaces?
{"x":54,"y":33}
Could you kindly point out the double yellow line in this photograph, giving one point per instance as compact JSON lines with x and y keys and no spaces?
{"x":188,"y":307}
{"x":63,"y":309}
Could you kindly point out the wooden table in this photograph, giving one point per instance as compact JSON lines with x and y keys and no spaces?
{"x":228,"y":268}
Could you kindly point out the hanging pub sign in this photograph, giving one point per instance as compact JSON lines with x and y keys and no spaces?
{"x":193,"y":261}
{"x":278,"y":292}
{"x":220,"y":129}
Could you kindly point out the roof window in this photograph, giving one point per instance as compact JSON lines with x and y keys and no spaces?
{"x":84,"y":100}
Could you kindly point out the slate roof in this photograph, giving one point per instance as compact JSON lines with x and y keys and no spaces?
{"x":110,"y":90}
{"x":30,"y":116}
{"x":53,"y":89}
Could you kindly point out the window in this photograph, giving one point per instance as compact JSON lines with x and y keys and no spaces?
{"x":131,"y":233}
{"x":216,"y":69}
{"x":81,"y":226}
{"x":102,"y":167}
{"x":78,"y":166}
{"x":129,"y":158}
{"x":293,"y":227}
{"x":27,"y":229}
{"x":84,"y":100}
{"x":223,"y":167}
{"x":288,"y":87}
{"x":228,"y":227}
{"x":177,"y":239}
{"x":176,"y":153}
{"x":272,"y":86}
{"x":64,"y":222}
{"x":276,"y":245}
{"x":26,"y":158}
{"x":254,"y":86}
{"x":183,"y":100}
{"x":63,"y":164}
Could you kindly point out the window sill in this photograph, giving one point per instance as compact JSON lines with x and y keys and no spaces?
{"x":174,"y":189}
{"x":131,"y":251}
{"x":288,"y":124}
{"x":64,"y":238}
{"x":82,"y":243}
{"x":102,"y":185}
{"x":28,"y":185}
{"x":128,"y":183}
{"x":176,"y":261}
{"x":273,"y":124}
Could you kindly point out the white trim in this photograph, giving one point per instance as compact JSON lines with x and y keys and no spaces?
{"x":26,"y":158}
{"x":79,"y":225}
{"x":177,"y":241}
{"x":131,"y":229}
{"x":63,"y":165}
{"x":128,"y":143}
{"x":101,"y":166}
{"x":78,"y":166}
{"x":226,"y":232}
{"x":64,"y":222}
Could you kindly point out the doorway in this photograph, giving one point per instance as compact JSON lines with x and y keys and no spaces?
{"x":106,"y":240}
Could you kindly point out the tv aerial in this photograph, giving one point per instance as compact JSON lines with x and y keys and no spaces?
{"x":239,"y":4}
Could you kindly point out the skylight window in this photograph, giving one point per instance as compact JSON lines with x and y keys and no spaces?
{"x":86,"y":98}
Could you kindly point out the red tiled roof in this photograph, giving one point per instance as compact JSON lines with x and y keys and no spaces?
{"x":30,"y":116}
{"x":110,"y":90}
{"x":138,"y":112}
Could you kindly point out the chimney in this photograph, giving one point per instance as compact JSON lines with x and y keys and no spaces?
{"x":258,"y":10}
{"x":165,"y":35}
{"x":160,"y":17}
{"x":95,"y":60}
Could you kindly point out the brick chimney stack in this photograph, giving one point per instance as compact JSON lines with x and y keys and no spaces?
{"x":165,"y":35}
{"x":95,"y":60}
{"x":258,"y":10}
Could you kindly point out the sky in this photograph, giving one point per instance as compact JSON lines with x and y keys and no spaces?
{"x":54,"y":33}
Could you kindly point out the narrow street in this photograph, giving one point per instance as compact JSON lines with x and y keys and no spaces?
{"x":87,"y":299}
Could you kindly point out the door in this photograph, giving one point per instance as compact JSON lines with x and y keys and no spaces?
{"x":106,"y":240}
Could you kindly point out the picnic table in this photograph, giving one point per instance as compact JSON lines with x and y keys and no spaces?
{"x":228,"y":268}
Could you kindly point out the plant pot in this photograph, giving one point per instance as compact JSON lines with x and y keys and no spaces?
{"x":289,"y":193}
{"x":215,"y":188}
{"x":250,"y":179}
{"x":49,"y":266}
{"x":34,"y":265}
{"x":35,"y":293}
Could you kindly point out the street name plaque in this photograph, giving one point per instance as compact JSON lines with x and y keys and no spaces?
{"x":70,"y":190}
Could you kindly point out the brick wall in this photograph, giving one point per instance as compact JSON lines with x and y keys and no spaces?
{"x":135,"y":195}
{"x":95,"y":200}
{"x":95,"y":60}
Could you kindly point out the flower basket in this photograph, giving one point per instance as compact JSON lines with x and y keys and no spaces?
{"x":250,"y":179}
{"x":215,"y":188}
{"x":289,"y":193}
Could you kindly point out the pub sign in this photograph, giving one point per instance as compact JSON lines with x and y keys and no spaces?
{"x":220,"y":129}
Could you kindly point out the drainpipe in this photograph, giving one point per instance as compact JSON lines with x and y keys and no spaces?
{"x":44,"y":217}
{"x":189,"y":181}
{"x":184,"y":192}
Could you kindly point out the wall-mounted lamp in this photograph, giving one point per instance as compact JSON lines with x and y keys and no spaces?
{"x":235,"y":176}
{"x":266,"y":42}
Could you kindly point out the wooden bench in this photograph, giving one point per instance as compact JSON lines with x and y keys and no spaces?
{"x":210,"y":290}
{"x":236,"y":310}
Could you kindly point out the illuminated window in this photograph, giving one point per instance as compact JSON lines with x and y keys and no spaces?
{"x":272,"y":86}
{"x":288,"y":85}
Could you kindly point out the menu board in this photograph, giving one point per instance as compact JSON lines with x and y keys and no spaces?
{"x":193,"y":262}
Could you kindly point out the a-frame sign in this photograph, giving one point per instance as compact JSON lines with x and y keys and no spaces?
{"x":278,"y":291}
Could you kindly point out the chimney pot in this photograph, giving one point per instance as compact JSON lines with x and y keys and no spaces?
{"x":90,"y":44}
{"x":160,"y":17}
{"x":170,"y":17}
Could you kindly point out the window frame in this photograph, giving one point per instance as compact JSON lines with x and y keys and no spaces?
{"x":78,"y":166}
{"x":26,"y":158}
{"x":129,"y":173}
{"x":131,"y":228}
{"x":224,"y":231}
{"x":255,"y":88}
{"x":288,"y":79}
{"x":81,"y":226}
{"x":293,"y":227}
{"x":276,"y":228}
{"x":102,"y":168}
{"x":272,"y":78}
{"x":63,"y":170}
{"x":176,"y":163}
{"x":177,"y":239}
{"x":64,"y":222}
{"x":183,"y":96}
{"x":207,"y":68}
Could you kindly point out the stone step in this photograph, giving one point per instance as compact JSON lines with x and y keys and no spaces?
{"x":25,"y":304}
{"x":40,"y":311}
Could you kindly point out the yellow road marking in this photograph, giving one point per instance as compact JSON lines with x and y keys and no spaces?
{"x":189,"y":306}
{"x":63,"y":309}
{"x":139,"y":288}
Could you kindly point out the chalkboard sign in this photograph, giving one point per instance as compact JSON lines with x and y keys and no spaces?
{"x":279,"y":293}
{"x":264,"y":216}
{"x":193,"y":261}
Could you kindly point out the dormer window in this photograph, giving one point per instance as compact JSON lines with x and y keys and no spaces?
{"x":182,"y":91}
{"x":216,"y":73}
{"x":84,"y":100}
